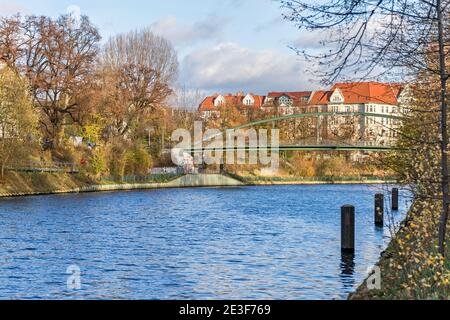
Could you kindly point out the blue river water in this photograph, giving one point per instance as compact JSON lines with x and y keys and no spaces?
{"x":274,"y":242}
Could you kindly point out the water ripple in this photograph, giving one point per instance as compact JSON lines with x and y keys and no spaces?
{"x":239,"y":243}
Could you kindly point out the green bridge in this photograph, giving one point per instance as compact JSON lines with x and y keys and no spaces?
{"x":319,"y":144}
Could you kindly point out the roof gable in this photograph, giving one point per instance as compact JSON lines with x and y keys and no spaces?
{"x":369,"y":92}
{"x":337,"y":96}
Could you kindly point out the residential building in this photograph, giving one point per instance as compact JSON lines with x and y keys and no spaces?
{"x":362,"y":98}
{"x":287,"y":103}
{"x":210,"y":106}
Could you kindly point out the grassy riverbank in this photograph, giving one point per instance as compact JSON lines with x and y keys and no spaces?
{"x":18,"y":183}
{"x":23,"y":183}
{"x":411,"y":267}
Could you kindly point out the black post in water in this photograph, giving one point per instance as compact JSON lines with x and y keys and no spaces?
{"x":395,"y":199}
{"x":348,"y":229}
{"x":379,"y":210}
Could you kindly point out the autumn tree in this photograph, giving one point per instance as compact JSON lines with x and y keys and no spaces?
{"x":374,"y":38}
{"x":18,"y":121}
{"x":231,"y":115}
{"x":138,"y":70}
{"x":11,"y":41}
{"x":57,"y":56}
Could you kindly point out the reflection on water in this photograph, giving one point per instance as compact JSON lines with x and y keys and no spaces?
{"x":278,"y":242}
{"x":347,"y":271}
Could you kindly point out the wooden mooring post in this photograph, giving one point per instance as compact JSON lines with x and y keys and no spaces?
{"x":395,"y":199}
{"x":348,"y":229}
{"x":379,"y":210}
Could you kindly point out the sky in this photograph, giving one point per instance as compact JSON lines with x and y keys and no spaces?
{"x":223,"y":45}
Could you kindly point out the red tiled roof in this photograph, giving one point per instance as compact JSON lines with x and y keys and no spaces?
{"x":319,"y":98}
{"x":208,"y":103}
{"x":369,"y":92}
{"x":360,"y":93}
{"x":295,"y":95}
{"x":231,"y":99}
{"x":259,"y":101}
{"x":354,"y":93}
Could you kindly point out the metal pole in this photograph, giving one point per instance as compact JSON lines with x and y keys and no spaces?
{"x":395,"y":199}
{"x":348,"y":229}
{"x":379,"y":210}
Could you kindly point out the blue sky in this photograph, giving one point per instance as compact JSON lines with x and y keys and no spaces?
{"x":223,"y":45}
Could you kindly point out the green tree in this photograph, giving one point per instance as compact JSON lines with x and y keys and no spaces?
{"x":18,"y":121}
{"x":138,"y":161}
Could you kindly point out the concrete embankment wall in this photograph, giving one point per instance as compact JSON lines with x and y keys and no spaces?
{"x":188,"y":181}
{"x":312,"y":182}
{"x":204,"y":180}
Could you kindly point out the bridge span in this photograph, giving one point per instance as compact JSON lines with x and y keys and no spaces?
{"x":360,"y":144}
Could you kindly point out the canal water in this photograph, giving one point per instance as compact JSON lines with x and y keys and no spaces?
{"x":275,"y":242}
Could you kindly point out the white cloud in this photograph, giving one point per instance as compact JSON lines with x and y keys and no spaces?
{"x":231,"y":67}
{"x":10,"y":7}
{"x":326,"y":39}
{"x":74,"y":11}
{"x":188,"y":34}
{"x":317,"y":39}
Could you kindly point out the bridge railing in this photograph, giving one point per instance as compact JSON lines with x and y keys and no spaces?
{"x":340,"y":142}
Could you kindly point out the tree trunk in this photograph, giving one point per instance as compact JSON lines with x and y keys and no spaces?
{"x":444,"y":132}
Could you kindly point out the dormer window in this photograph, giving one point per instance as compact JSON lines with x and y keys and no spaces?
{"x":220,"y":101}
{"x":248,"y":100}
{"x":284,"y":100}
{"x":337,"y":97}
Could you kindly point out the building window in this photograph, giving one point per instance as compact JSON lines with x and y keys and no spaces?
{"x":284,"y":100}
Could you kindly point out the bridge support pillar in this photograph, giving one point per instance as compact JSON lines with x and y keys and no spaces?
{"x":395,"y":199}
{"x":319,"y":128}
{"x":348,"y":229}
{"x":379,"y":210}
